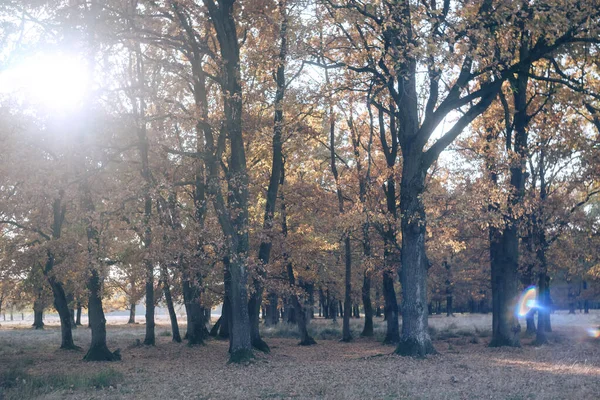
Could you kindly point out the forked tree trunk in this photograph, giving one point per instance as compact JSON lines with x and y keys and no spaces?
{"x":506,"y":330}
{"x":300,"y":310}
{"x":61,"y":304}
{"x":305,"y":338}
{"x":232,"y":217}
{"x":274,"y":181}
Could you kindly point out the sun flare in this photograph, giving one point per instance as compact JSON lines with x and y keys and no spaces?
{"x":55,"y":82}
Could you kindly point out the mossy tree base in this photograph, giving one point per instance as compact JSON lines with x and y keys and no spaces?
{"x":241,"y":356}
{"x":540,"y":340}
{"x":367,"y":332}
{"x":70,"y":347}
{"x":391,"y":340}
{"x":411,"y":347}
{"x":504,"y":342}
{"x":195,"y":342}
{"x":261,"y":345}
{"x":309,"y":341}
{"x":102,"y":353}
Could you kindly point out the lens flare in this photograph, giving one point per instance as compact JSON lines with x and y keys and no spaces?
{"x":594,"y":333}
{"x":527,"y":301}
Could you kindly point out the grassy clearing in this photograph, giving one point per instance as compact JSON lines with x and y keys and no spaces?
{"x":17,"y":383}
{"x":31,"y":366}
{"x":322,"y":329}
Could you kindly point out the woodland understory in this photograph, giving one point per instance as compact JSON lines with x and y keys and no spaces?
{"x":300,"y":163}
{"x":364,"y":369}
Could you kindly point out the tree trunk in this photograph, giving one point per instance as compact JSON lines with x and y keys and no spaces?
{"x":530,"y":322}
{"x":98,"y":349}
{"x":78,"y":318}
{"x":195,"y":314}
{"x":300,"y":310}
{"x":170,"y":307}
{"x":310,"y":289}
{"x":415,"y":340}
{"x":505,"y":328}
{"x":274,"y":181}
{"x":392,"y":335}
{"x":543,"y":311}
{"x":333,"y":309}
{"x":272,"y":312}
{"x":131,"y":314}
{"x":225,"y":317}
{"x":62,"y":307}
{"x":378,"y":309}
{"x":150,"y":338}
{"x":506,"y":332}
{"x":449,"y":291}
{"x":214,"y":331}
{"x":346,"y":334}
{"x":368,"y":306}
{"x":233,"y":218}
{"x":38,"y":314}
{"x":72,"y":311}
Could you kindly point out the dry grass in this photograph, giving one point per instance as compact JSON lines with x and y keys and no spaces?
{"x":568,"y":368}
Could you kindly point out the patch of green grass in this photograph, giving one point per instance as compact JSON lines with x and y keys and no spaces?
{"x":281,"y":330}
{"x":483,"y":332}
{"x":165,"y":333}
{"x":17,"y":383}
{"x":327,"y":333}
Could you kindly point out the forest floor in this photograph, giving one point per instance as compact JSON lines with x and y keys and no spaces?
{"x":31,"y":366}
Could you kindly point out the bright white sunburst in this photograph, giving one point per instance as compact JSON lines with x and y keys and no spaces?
{"x":56,"y":82}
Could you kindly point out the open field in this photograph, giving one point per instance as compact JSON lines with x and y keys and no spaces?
{"x":31,"y":366}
